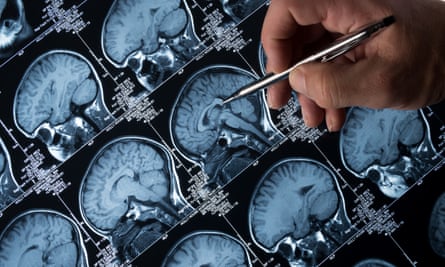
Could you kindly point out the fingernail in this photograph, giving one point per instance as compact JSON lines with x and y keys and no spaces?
{"x":298,"y":81}
{"x":306,"y":118}
{"x":332,"y":127}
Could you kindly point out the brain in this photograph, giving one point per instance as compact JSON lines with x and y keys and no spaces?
{"x":374,"y":136}
{"x":437,"y":227}
{"x":138,"y":25}
{"x":8,"y":187}
{"x":51,"y":85}
{"x":129,"y":166}
{"x":13,"y":26}
{"x":373,"y":263}
{"x":40,"y":238}
{"x":207,"y":249}
{"x":290,"y":196}
{"x":240,"y":9}
{"x":3,"y":160}
{"x":199,"y":112}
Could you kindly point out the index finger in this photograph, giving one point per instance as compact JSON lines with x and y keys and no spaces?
{"x":282,"y":36}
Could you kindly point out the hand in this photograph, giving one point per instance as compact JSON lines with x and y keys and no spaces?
{"x":403,"y":67}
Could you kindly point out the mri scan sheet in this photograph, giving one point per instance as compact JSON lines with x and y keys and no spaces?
{"x":116,"y":149}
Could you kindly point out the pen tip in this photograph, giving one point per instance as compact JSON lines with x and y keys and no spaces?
{"x":227,"y":100}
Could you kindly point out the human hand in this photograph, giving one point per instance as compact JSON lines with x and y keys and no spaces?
{"x":403,"y":67}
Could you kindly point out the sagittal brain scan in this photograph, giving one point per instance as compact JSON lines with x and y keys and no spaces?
{"x":238,"y":10}
{"x":223,"y":139}
{"x":117,"y":148}
{"x":436,"y":229}
{"x":130,"y":194}
{"x":59,"y":101}
{"x":373,"y":263}
{"x":14,"y":28}
{"x":42,"y":238}
{"x":298,"y":211}
{"x":208,"y":248}
{"x":153,"y":38}
{"x":392,"y":148}
{"x":9,"y":190}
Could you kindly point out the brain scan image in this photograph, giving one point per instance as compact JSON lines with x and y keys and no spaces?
{"x":14,"y":28}
{"x":9,"y":190}
{"x":238,"y":10}
{"x":373,"y":263}
{"x":42,"y":238}
{"x":130,"y":194}
{"x":297,"y":210}
{"x":207,"y":248}
{"x":59,"y":101}
{"x":391,"y":148}
{"x":436,"y":231}
{"x":153,"y":38}
{"x":222,"y":139}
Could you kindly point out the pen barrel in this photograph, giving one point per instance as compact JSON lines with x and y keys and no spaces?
{"x":268,"y":79}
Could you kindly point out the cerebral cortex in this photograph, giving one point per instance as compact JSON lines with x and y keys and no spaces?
{"x":436,"y":229}
{"x":290,"y":196}
{"x":199,"y":112}
{"x":40,"y":238}
{"x":138,"y":25}
{"x":207,"y":249}
{"x":374,"y":136}
{"x":123,"y":168}
{"x":238,"y":10}
{"x":50,"y":86}
{"x":3,"y":162}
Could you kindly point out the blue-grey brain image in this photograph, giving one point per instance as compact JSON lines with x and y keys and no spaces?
{"x":42,"y":238}
{"x":238,"y":10}
{"x":207,"y":248}
{"x":223,"y":139}
{"x":297,"y":210}
{"x":14,"y":28}
{"x":153,"y":38}
{"x":373,"y":263}
{"x":436,"y":229}
{"x":130,"y":194}
{"x":59,"y":101}
{"x":9,"y":190}
{"x":392,"y":148}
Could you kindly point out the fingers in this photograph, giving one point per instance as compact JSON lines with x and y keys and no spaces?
{"x":335,"y":118}
{"x":278,"y":94}
{"x":313,"y":115}
{"x":339,"y":85}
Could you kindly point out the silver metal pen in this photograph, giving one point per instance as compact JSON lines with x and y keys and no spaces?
{"x":337,"y":48}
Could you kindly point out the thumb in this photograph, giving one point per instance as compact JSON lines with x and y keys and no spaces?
{"x":330,"y":85}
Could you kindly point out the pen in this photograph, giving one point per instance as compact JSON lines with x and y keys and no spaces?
{"x":337,"y":48}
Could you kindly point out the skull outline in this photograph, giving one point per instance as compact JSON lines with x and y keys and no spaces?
{"x":72,"y":121}
{"x":226,"y":152}
{"x":9,"y":188}
{"x":153,"y":61}
{"x":218,"y":259}
{"x":42,"y":238}
{"x":306,"y":244}
{"x":402,"y":154}
{"x":13,"y":30}
{"x":144,"y":220}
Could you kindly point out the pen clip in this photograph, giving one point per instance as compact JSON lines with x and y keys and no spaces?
{"x":343,"y":45}
{"x":340,"y":51}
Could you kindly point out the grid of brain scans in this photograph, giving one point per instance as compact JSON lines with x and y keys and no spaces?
{"x":116,"y":149}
